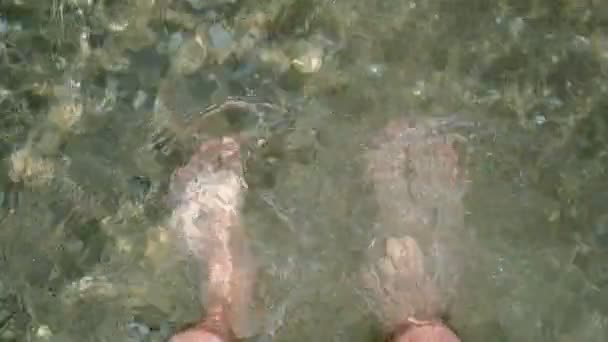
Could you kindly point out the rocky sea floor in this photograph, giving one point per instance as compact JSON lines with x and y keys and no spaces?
{"x":101,"y":101}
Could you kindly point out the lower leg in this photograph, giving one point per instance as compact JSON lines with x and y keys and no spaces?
{"x":417,"y":180}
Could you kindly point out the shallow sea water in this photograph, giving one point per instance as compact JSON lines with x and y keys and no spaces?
{"x":85,"y":253}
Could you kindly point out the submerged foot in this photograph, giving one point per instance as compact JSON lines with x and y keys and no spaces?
{"x":207,"y":194}
{"x":414,"y":169}
{"x":405,"y":296}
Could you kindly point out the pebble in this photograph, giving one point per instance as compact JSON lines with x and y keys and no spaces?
{"x":175,"y":40}
{"x":44,"y":332}
{"x":140,"y":99}
{"x":600,"y":228}
{"x":197,"y":4}
{"x":138,"y":187}
{"x":190,"y":56}
{"x":138,"y":331}
{"x":376,"y":70}
{"x":219,"y":37}
{"x":310,"y":58}
{"x":3,"y":25}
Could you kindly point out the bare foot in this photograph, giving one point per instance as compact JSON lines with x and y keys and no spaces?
{"x":207,"y":194}
{"x":417,"y":179}
{"x":418,"y":184}
{"x":406,"y":297}
{"x":402,"y":290}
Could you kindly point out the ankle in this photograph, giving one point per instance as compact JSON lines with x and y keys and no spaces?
{"x":422,"y":331}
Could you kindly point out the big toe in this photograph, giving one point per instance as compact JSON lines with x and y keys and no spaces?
{"x":406,"y":256}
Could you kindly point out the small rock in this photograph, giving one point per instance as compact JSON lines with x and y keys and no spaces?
{"x":190,"y":56}
{"x":376,"y":70}
{"x":219,"y":37}
{"x":138,"y":187}
{"x":197,"y":4}
{"x":310,"y":58}
{"x":175,"y":41}
{"x":44,"y":332}
{"x":140,"y":99}
{"x":3,"y":25}
{"x":8,"y":335}
{"x":138,"y":331}
{"x":600,"y":228}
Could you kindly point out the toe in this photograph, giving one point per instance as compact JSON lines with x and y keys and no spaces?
{"x":405,"y":255}
{"x":386,"y":267}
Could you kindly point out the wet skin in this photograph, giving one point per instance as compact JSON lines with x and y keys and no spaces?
{"x":207,"y":196}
